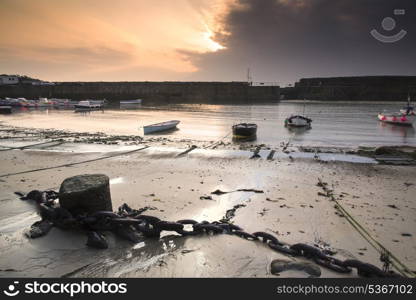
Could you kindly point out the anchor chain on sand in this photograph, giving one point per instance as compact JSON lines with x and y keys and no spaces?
{"x":85,"y":204}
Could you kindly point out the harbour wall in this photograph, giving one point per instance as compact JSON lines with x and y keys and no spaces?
{"x":370,"y":88}
{"x":150,"y":92}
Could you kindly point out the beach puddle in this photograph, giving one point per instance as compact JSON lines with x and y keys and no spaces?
{"x":18,"y":222}
{"x":117,"y":180}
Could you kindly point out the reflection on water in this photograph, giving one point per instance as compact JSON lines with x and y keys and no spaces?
{"x":334,"y":123}
{"x":404,"y":131}
{"x":298,"y":134}
{"x":131,"y":106}
{"x":298,"y":130}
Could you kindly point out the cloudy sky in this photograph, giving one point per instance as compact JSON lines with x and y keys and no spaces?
{"x":210,"y":40}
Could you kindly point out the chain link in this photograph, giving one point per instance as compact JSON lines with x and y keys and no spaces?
{"x":129,"y":223}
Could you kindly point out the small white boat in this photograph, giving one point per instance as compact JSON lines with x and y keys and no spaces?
{"x":397,"y":119}
{"x":160,"y":126}
{"x":88,"y":105}
{"x":298,"y":121}
{"x":129,"y":102}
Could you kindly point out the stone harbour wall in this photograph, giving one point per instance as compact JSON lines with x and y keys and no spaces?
{"x":150,"y":92}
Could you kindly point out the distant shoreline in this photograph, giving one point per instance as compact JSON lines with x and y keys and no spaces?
{"x":365,"y":88}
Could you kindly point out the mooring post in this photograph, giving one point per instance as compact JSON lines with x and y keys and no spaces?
{"x":86,"y":193}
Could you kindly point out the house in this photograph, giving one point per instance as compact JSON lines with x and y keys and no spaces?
{"x":9,"y":79}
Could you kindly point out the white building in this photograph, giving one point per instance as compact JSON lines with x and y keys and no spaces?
{"x":9,"y":79}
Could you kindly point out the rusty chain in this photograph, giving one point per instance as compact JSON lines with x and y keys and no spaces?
{"x":130,"y":223}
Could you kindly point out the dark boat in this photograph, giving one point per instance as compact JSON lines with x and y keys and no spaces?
{"x":244,"y":130}
{"x":298,"y":121}
{"x":5,"y":110}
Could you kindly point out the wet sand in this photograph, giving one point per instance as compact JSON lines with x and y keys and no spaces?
{"x":290,"y":208}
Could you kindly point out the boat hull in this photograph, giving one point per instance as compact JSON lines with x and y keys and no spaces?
{"x":82,"y":108}
{"x":160,"y":127}
{"x":403,"y":120}
{"x":244,"y":130}
{"x":88,"y":105}
{"x":298,"y":121}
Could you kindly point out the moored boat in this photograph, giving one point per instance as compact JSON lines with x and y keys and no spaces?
{"x":129,"y":102}
{"x":298,"y":121}
{"x":12,"y":102}
{"x":102,"y":103}
{"x":397,"y":119}
{"x":164,"y":126}
{"x":244,"y":130}
{"x":88,"y":105}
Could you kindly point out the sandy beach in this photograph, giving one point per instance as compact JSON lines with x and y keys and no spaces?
{"x":291,"y":206}
{"x":207,"y":148}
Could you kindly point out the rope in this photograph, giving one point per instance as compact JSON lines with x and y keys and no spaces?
{"x":292,"y":135}
{"x":404,"y":270}
{"x":217,"y":142}
{"x":75,"y":163}
{"x":28,"y":146}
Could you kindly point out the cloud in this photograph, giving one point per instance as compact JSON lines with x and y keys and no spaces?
{"x":106,"y":35}
{"x":90,"y":56}
{"x":279,"y":40}
{"x":283,"y":40}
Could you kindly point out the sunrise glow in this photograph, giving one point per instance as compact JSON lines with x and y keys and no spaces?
{"x":104,"y":40}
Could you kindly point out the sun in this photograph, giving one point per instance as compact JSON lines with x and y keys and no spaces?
{"x":210,"y":44}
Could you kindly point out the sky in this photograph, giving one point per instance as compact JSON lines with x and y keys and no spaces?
{"x":280,"y":41}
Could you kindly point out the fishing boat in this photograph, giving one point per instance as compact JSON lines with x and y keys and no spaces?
{"x":102,"y":103}
{"x":88,"y":105}
{"x":397,"y":119}
{"x":164,"y":126}
{"x":298,"y":121}
{"x":12,"y":102}
{"x":409,"y":109}
{"x":131,"y":102}
{"x":4,"y":102}
{"x":244,"y":130}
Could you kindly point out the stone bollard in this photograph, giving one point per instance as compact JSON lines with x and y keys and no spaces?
{"x":86,"y":193}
